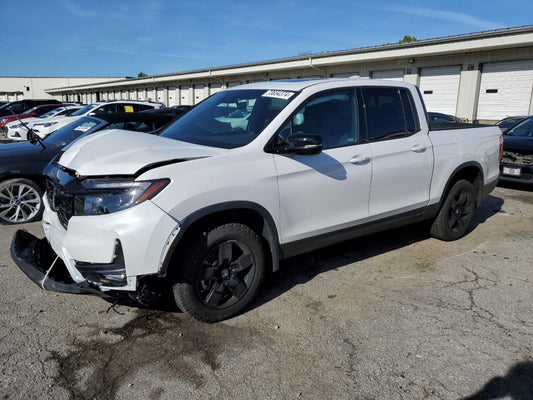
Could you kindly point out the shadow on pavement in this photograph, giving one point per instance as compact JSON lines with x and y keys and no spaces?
{"x":517,"y":384}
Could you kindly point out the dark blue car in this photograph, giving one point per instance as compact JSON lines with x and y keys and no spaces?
{"x":22,"y":163}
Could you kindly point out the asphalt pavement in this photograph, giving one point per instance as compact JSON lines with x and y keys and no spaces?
{"x":396,"y":315}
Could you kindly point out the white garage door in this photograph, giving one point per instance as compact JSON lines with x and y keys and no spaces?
{"x":440,"y":88}
{"x":133,"y":94}
{"x":214,"y":88}
{"x":172,"y":99}
{"x":184,"y":96}
{"x":231,"y":84}
{"x":389,"y":75}
{"x":505,"y":89}
{"x":198,"y":93}
{"x":150,"y":94}
{"x":161,"y":95}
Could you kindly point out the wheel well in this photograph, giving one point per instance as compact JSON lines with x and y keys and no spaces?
{"x":38,"y":182}
{"x":245,"y":216}
{"x":472,"y":174}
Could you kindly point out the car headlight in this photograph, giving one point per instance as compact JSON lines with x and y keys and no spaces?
{"x":3,"y":121}
{"x":109,"y":196}
{"x":15,"y":126}
{"x":48,"y":124}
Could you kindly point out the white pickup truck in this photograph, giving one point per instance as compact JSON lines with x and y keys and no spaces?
{"x":252,"y":175}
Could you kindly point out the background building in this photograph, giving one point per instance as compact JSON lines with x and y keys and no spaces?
{"x":18,"y":88}
{"x":481,"y":76}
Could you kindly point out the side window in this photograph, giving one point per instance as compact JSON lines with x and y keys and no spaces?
{"x":333,"y":116}
{"x":128,"y":107}
{"x":143,"y":107}
{"x":106,"y":109}
{"x":130,"y":126}
{"x":411,"y":120}
{"x":389,"y":113}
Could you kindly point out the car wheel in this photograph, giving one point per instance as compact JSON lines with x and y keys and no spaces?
{"x":222,"y":273}
{"x":455,"y":215}
{"x":20,"y":201}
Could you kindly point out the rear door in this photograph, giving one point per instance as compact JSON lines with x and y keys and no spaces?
{"x":400,"y":151}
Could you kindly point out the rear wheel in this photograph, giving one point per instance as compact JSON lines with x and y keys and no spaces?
{"x":20,"y":201}
{"x":222,"y":272}
{"x":455,"y":215}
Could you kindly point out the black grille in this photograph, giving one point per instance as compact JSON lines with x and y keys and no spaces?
{"x":60,"y":201}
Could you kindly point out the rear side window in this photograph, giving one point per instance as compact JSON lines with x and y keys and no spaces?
{"x":389,"y":113}
{"x":106,"y":109}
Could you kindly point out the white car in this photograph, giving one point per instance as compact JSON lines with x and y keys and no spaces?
{"x":207,"y":208}
{"x":18,"y":130}
{"x":44,"y":128}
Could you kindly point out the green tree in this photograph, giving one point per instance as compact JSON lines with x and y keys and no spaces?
{"x":407,"y":39}
{"x":141,"y":75}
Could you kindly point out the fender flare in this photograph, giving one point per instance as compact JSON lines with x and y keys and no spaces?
{"x":269,"y":232}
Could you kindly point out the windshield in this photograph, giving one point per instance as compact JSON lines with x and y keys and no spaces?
{"x":508,"y":122}
{"x":52,"y":112}
{"x":70,"y":132}
{"x":83,"y":110}
{"x":29,"y":111}
{"x":524,"y":128}
{"x":229,"y":119}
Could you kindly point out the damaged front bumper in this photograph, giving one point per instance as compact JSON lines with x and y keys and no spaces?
{"x":35,"y":257}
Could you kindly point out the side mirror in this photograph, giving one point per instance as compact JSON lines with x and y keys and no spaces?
{"x":305,"y":144}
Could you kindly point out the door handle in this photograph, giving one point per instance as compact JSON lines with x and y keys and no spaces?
{"x":359,"y":159}
{"x":418,"y":148}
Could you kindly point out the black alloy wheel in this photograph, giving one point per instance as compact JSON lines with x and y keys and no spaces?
{"x":455,"y":216}
{"x":222,"y":274}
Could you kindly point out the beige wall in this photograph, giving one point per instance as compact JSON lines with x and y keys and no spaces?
{"x":35,"y":87}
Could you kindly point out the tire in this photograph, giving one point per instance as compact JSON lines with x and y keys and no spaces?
{"x":222,"y":273}
{"x":455,"y":216}
{"x":21,"y":201}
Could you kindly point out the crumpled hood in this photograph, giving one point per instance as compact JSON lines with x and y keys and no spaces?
{"x":119,"y":152}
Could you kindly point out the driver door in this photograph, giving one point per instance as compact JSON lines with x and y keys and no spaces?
{"x":328,"y":191}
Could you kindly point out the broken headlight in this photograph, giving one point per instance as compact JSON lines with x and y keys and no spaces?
{"x":109,"y":196}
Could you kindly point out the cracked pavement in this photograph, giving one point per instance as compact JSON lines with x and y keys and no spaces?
{"x":396,"y":315}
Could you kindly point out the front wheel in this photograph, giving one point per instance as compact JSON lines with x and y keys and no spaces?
{"x":20,"y":201}
{"x":455,"y":215}
{"x":223,"y":271}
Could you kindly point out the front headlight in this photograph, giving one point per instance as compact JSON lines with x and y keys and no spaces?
{"x":48,"y":124}
{"x":109,"y":196}
{"x":3,"y":121}
{"x":16,"y":126}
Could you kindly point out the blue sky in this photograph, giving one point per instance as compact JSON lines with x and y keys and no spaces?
{"x":123,"y":38}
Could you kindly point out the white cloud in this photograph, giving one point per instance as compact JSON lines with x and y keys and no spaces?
{"x":77,"y":11}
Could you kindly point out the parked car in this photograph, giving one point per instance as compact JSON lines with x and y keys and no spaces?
{"x":22,"y":163}
{"x":508,"y":122}
{"x":215,"y":207}
{"x":19,"y":106}
{"x":33,"y":112}
{"x":445,"y":118}
{"x":174,"y":111}
{"x":517,"y":160}
{"x":17,"y":130}
{"x":103,"y":107}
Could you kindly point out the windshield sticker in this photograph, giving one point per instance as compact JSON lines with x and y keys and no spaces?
{"x":82,"y":128}
{"x":128,"y":108}
{"x":278,"y":94}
